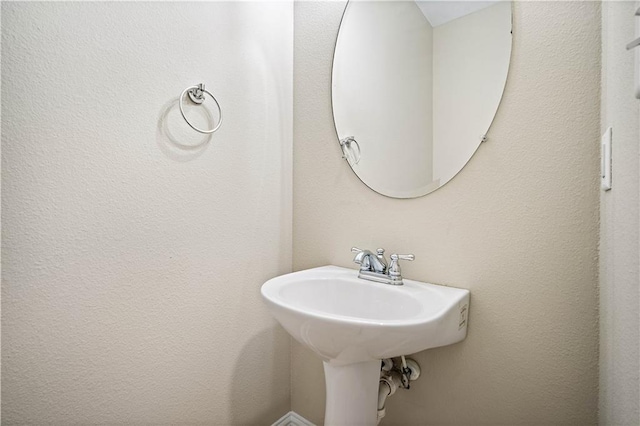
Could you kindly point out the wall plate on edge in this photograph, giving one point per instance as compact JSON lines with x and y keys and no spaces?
{"x":605,"y":160}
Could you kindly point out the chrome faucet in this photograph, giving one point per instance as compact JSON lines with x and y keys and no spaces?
{"x":373,"y":267}
{"x":369,"y":261}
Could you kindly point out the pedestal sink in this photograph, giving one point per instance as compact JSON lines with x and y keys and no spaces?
{"x":351,"y":324}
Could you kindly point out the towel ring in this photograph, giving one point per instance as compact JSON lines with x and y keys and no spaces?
{"x":346,"y":145}
{"x":196,"y":94}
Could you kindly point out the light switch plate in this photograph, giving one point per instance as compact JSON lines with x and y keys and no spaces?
{"x":605,"y":160}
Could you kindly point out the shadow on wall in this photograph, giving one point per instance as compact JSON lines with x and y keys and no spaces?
{"x":175,"y":138}
{"x":255,"y":375}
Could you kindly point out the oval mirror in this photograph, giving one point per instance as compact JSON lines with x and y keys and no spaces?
{"x":415,"y":87}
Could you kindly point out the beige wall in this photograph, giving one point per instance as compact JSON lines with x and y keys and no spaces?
{"x":131,"y":268}
{"x":518,"y":227}
{"x":619,"y":256}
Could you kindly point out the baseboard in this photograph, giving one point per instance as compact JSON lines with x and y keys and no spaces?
{"x":292,"y":419}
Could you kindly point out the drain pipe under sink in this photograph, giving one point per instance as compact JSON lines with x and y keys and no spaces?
{"x":389,"y":383}
{"x":391,"y":380}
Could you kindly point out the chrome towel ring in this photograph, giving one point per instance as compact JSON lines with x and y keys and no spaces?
{"x":348,"y":153}
{"x":196,"y":94}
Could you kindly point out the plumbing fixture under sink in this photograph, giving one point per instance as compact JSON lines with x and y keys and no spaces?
{"x":351,"y":324}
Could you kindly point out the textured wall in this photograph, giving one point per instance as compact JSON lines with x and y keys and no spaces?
{"x":131,"y":268}
{"x":518,"y":227}
{"x":619,"y":257}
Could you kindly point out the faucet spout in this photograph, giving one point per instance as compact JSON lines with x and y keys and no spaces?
{"x":369,"y":261}
{"x":361,"y":254}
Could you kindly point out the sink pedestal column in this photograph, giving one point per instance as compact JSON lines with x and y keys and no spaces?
{"x":352,"y":394}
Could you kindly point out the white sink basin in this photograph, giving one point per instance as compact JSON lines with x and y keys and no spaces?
{"x":345,"y":319}
{"x":352,"y":324}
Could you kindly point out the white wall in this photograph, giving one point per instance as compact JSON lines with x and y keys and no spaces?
{"x":518,"y":227}
{"x":131,"y":267}
{"x":619,"y":236}
{"x":470,"y":64}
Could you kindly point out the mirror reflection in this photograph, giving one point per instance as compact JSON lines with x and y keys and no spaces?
{"x":415,"y":87}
